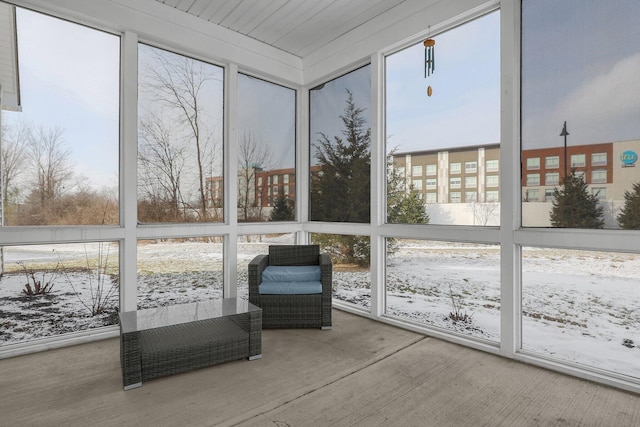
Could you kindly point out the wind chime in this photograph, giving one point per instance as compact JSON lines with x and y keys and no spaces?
{"x":429,"y":60}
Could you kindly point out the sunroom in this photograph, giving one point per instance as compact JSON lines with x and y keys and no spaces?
{"x":152,"y":148}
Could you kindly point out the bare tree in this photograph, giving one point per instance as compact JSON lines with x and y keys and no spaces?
{"x":178,"y":82}
{"x":484,"y":213}
{"x":14,"y":140}
{"x":161,"y":162}
{"x":253,"y":157}
{"x":49,"y":158}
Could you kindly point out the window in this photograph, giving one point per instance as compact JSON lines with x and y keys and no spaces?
{"x":337,"y":107}
{"x":533,"y":195}
{"x":492,"y":196}
{"x":417,"y":184}
{"x":455,"y":197}
{"x":492,"y":180}
{"x":599,"y":192}
{"x":599,"y":176}
{"x":286,"y":178}
{"x":286,"y":191}
{"x":470,"y":97}
{"x":416,"y":170}
{"x":180,"y":137}
{"x":275,"y":179}
{"x":578,"y":160}
{"x":548,"y":195}
{"x":470,"y":196}
{"x":551,"y":178}
{"x":599,"y":159}
{"x":432,"y":183}
{"x":493,"y":165}
{"x":431,"y":198}
{"x":533,"y":179}
{"x":533,"y":163}
{"x":470,"y":181}
{"x":61,"y":152}
{"x":471,"y":167}
{"x":410,"y":297}
{"x":552,"y":162}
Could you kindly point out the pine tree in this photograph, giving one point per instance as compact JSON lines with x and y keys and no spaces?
{"x":574,"y":206}
{"x":341,"y":192}
{"x":629,"y":216}
{"x":282,"y":209}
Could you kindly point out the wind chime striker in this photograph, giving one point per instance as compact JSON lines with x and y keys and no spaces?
{"x":429,"y":60}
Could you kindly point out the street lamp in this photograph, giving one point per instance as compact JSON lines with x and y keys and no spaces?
{"x":565,"y":133}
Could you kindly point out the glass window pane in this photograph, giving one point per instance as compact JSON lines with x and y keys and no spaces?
{"x":60,"y":153}
{"x":462,"y":292}
{"x":351,"y":266}
{"x":266,"y":147}
{"x":48,"y":290}
{"x":178,"y":271}
{"x":577,"y":113}
{"x":180,"y":121}
{"x":340,"y":137}
{"x":424,"y":130}
{"x":581,"y":307}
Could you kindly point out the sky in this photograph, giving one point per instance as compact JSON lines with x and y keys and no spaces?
{"x":69,"y":78}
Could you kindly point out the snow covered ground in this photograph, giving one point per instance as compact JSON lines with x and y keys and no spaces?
{"x":581,"y":307}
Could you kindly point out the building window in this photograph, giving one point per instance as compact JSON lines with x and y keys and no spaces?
{"x":548,"y":194}
{"x":416,"y":170}
{"x":578,"y":160}
{"x":431,"y":198}
{"x":471,"y":167}
{"x":552,"y":162}
{"x":599,"y":192}
{"x":599,"y":159}
{"x":492,"y":196}
{"x":417,"y":184}
{"x":551,"y":178}
{"x":275,"y":179}
{"x":599,"y":176}
{"x":493,"y":165}
{"x":533,"y":195}
{"x":286,"y":190}
{"x":470,"y":181}
{"x":432,"y":183}
{"x":431,"y":169}
{"x":470,"y":196}
{"x":579,"y":174}
{"x":401,"y":170}
{"x":455,"y":168}
{"x":455,"y":182}
{"x":455,"y":197}
{"x":285,"y":177}
{"x":533,"y":163}
{"x":492,"y":180}
{"x":533,"y":179}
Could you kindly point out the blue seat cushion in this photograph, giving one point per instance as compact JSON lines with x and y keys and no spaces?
{"x":302,"y":273}
{"x":290,"y":288}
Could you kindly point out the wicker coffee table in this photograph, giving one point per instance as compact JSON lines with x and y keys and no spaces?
{"x":168,"y":340}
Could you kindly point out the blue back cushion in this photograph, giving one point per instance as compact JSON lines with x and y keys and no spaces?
{"x":304,"y":273}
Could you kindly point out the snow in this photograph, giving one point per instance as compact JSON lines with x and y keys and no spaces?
{"x":579,"y":307}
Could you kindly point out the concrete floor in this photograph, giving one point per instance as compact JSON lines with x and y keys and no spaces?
{"x":362,"y":373}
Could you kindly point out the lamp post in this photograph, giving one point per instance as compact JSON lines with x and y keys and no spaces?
{"x":565,"y":133}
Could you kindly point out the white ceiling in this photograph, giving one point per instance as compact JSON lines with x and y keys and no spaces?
{"x":299,"y":27}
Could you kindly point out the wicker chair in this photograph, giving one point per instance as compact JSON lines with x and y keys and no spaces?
{"x":292,"y":310}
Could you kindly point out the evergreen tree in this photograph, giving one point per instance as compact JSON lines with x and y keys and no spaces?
{"x":574,"y":206}
{"x":282,"y":209}
{"x":629,"y":216}
{"x":402,"y":207}
{"x":341,"y":192}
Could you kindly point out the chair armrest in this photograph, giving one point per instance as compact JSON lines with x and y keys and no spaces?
{"x":326,"y":271}
{"x":256,"y":267}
